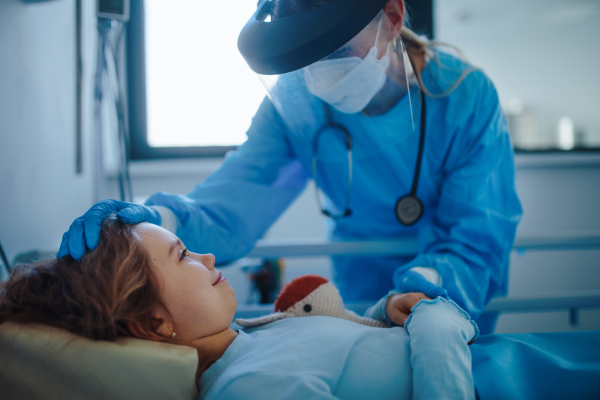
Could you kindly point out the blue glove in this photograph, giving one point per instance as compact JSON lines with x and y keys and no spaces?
{"x":415,"y":282}
{"x":86,"y":229}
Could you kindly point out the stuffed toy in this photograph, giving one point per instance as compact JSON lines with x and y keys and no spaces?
{"x":307,"y":296}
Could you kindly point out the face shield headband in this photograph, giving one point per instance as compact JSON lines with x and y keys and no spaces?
{"x":288,"y":44}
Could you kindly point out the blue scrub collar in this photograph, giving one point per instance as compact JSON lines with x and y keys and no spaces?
{"x":287,"y":44}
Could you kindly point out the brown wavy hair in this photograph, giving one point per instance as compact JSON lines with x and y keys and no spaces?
{"x":95,"y":297}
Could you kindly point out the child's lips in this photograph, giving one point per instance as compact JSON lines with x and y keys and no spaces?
{"x":219,"y":279}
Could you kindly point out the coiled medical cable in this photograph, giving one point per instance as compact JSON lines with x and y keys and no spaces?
{"x":108,"y":79}
{"x":4,"y":261}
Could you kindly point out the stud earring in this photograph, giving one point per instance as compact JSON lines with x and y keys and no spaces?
{"x":173,"y":334}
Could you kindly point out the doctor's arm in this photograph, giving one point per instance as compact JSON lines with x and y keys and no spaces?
{"x":471,"y":234}
{"x":224,"y":215}
{"x":235,"y":206}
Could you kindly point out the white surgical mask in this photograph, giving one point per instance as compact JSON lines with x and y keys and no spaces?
{"x":349,"y":83}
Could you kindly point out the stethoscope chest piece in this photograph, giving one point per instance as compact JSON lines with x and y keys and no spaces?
{"x":408,"y":209}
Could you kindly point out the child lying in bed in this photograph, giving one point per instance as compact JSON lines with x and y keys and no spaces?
{"x":142,"y":282}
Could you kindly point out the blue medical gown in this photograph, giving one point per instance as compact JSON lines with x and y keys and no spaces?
{"x":467,"y":186}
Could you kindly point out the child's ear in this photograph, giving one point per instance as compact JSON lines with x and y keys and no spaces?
{"x":163,"y":327}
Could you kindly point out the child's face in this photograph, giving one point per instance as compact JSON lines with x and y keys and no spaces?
{"x":200,"y":302}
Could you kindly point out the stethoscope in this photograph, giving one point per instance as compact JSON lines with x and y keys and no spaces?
{"x":408,"y":208}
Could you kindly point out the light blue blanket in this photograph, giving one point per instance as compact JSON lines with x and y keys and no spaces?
{"x":331,"y":358}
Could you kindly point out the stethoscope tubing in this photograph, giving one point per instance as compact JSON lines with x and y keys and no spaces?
{"x":415,"y":204}
{"x":348,"y":141}
{"x":415,"y":183}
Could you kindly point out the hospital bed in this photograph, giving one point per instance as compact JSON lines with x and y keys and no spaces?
{"x":571,"y":301}
{"x":48,"y":363}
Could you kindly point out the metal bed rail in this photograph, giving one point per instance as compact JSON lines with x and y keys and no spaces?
{"x":572,"y":302}
{"x":409,"y":247}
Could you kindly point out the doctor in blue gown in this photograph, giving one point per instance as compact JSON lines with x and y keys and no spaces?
{"x":356,"y":117}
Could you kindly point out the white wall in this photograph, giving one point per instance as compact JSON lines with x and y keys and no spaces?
{"x":543,"y":52}
{"x":559,"y":194}
{"x":40,"y":193}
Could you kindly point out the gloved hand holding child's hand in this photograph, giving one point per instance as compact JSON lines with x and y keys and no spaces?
{"x":416,"y":288}
{"x":414,"y":282}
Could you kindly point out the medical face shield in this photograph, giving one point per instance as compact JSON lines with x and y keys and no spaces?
{"x":327,"y":69}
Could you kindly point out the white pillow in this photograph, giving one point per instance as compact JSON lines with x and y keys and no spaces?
{"x":41,"y":362}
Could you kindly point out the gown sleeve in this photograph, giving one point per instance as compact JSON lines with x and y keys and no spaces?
{"x":439,"y":355}
{"x":472,"y":231}
{"x":377,"y":311}
{"x":234,"y":207}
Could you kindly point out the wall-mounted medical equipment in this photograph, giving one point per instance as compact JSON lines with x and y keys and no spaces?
{"x":5,"y":270}
{"x":113,"y":9}
{"x":109,"y":91}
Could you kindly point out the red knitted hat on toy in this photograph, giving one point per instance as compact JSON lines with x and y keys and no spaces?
{"x":297,"y":290}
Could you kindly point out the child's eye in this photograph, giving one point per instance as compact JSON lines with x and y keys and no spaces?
{"x":184,"y":254}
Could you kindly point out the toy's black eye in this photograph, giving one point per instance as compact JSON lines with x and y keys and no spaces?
{"x":307,"y":308}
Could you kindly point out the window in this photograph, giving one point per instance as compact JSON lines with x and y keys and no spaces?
{"x":191,"y":93}
{"x":198,"y":96}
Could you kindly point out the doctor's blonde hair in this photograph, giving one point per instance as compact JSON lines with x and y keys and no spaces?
{"x":416,"y":45}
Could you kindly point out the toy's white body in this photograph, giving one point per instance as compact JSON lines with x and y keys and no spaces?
{"x":324,"y":300}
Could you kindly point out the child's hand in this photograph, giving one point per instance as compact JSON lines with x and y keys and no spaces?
{"x":398,"y":306}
